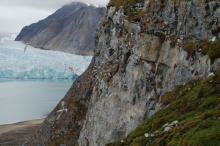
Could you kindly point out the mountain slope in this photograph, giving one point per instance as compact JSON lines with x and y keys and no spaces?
{"x":194,"y":106}
{"x":30,"y":31}
{"x":70,"y":29}
{"x":139,"y":56}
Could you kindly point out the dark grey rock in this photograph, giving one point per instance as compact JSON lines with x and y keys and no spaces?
{"x":70,"y":29}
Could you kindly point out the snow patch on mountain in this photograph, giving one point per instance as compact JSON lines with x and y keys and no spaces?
{"x":94,"y":5}
{"x":87,"y":4}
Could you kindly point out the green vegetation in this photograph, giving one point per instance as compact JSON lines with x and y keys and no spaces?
{"x":129,"y":8}
{"x":195,"y":105}
{"x":207,"y":47}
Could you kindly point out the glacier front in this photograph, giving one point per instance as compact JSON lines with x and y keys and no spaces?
{"x":38,"y":64}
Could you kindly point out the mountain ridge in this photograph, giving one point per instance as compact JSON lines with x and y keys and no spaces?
{"x":51,"y":33}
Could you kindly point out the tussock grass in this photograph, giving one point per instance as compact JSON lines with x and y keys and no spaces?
{"x":207,"y":47}
{"x":129,"y":8}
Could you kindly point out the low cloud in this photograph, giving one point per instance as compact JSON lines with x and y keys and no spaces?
{"x":48,"y":4}
{"x":15,"y":14}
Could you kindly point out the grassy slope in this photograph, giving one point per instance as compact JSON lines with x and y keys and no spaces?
{"x":197,"y":109}
{"x":129,"y":8}
{"x":212,"y":49}
{"x":195,"y":105}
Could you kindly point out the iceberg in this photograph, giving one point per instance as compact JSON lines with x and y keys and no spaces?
{"x":38,"y":64}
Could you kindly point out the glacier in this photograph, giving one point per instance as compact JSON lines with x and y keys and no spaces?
{"x":38,"y":64}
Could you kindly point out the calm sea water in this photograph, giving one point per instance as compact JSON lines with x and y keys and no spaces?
{"x":22,"y":100}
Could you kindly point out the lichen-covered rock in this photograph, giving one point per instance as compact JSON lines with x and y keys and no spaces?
{"x":184,"y":19}
{"x":132,"y":69}
{"x":142,"y":68}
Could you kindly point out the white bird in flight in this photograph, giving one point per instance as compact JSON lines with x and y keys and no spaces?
{"x":61,"y":110}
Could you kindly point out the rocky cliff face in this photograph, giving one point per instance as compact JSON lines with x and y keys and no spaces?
{"x":186,"y":20}
{"x":70,"y":29}
{"x":134,"y":64}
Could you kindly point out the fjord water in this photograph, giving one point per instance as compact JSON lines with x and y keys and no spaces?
{"x":22,"y":100}
{"x":33,"y":82}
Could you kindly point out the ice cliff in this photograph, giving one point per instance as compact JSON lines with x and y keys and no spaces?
{"x":38,"y":64}
{"x":141,"y":51}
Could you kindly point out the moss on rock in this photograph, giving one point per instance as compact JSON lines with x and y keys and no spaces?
{"x":129,"y":7}
{"x":195,"y":105}
{"x":212,"y":49}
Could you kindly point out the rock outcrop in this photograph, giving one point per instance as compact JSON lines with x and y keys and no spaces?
{"x":70,"y":29}
{"x":133,"y":66}
{"x":64,"y":128}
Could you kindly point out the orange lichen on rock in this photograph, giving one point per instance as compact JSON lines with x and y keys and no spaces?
{"x":171,"y":78}
{"x":150,"y":4}
{"x":194,"y":19}
{"x":163,"y":38}
{"x":145,"y":21}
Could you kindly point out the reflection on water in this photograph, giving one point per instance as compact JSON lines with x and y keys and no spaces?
{"x":22,"y":100}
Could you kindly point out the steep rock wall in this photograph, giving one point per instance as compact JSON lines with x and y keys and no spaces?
{"x":183,"y":19}
{"x":64,"y":127}
{"x":131,"y":70}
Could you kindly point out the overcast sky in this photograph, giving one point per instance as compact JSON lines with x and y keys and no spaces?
{"x":15,"y":14}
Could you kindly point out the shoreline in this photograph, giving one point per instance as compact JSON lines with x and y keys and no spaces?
{"x":19,"y":125}
{"x":17,"y":134}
